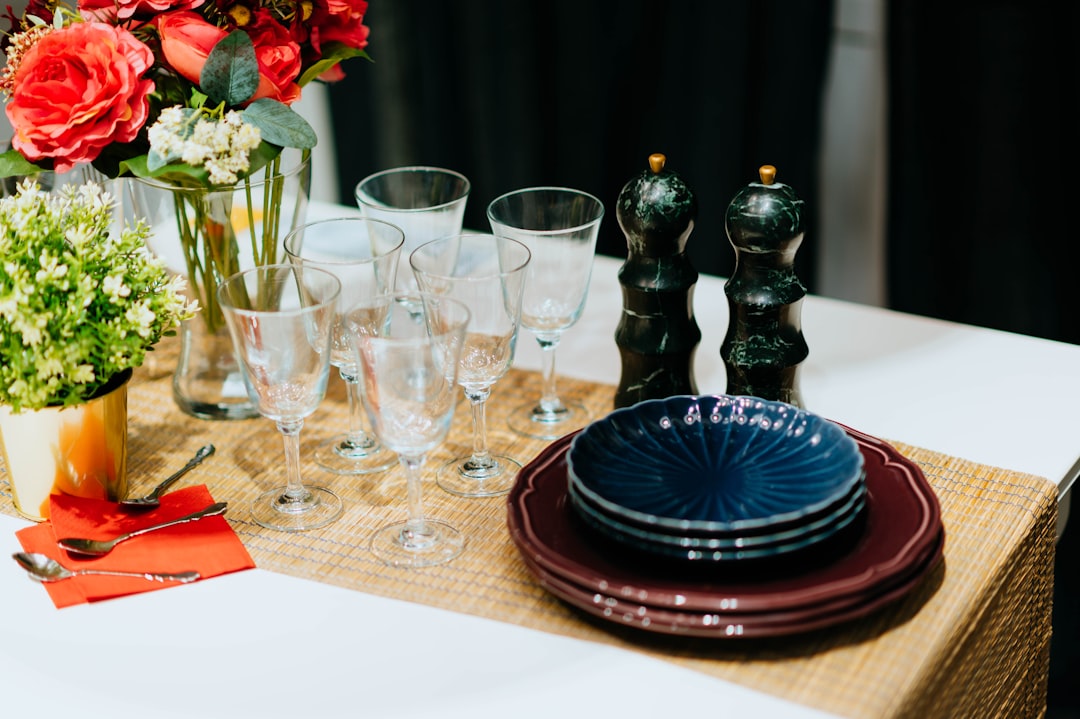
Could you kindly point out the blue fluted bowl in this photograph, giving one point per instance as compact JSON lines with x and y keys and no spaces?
{"x":716,"y":464}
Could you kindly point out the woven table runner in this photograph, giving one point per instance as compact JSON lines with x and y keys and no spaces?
{"x":971,"y":640}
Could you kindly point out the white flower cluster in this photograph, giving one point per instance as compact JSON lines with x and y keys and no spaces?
{"x":220,"y":145}
{"x":78,"y":303}
{"x":18,"y":45}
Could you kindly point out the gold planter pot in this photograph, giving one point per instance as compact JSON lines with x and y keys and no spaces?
{"x":79,"y":450}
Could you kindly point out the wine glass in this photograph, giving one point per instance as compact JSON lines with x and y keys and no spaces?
{"x":487,"y":274}
{"x":281,"y":319}
{"x":409,"y":371}
{"x":426,"y":202}
{"x":559,"y":226}
{"x":363,"y":254}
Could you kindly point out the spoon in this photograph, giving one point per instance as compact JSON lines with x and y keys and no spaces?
{"x":154,"y":498}
{"x":98,"y":548}
{"x":46,"y":569}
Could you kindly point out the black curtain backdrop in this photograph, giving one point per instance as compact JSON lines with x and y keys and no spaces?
{"x":580,"y":93}
{"x":983,"y":154}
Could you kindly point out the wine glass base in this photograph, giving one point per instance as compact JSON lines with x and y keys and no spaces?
{"x":274,"y":510}
{"x":531,"y":421}
{"x":399,"y":546}
{"x":455,"y":478}
{"x":341,"y":456}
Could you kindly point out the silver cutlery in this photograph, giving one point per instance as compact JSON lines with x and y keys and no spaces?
{"x":46,"y":569}
{"x":97,"y":548}
{"x":154,"y":498}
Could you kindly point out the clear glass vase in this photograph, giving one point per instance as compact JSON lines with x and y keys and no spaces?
{"x":208,"y":235}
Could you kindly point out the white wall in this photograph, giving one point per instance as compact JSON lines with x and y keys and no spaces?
{"x":851,"y":250}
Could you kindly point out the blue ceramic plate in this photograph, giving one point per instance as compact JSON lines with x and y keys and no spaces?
{"x":714,"y":464}
{"x":703,"y":550}
{"x":821,"y":527}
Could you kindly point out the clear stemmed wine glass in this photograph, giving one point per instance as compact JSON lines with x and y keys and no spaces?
{"x":426,"y":202}
{"x":410,"y":370}
{"x":487,"y":274}
{"x":281,"y":319}
{"x":559,"y":226}
{"x":363,"y":254}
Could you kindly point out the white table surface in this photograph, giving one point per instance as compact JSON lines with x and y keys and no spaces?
{"x":225,"y":647}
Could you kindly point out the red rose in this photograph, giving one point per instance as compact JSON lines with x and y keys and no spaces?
{"x":334,"y":74}
{"x":344,"y":23}
{"x":111,"y":10}
{"x":333,"y":21}
{"x":78,"y":90}
{"x":278,"y":56}
{"x":186,"y":41}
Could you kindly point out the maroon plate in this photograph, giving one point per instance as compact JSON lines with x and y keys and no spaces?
{"x":725,"y":625}
{"x":898,"y":534}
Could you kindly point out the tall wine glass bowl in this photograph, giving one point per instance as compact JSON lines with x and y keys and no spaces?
{"x":281,"y":320}
{"x":363,"y":254}
{"x":427,"y":203}
{"x":410,"y":375}
{"x":487,"y":274}
{"x":559,"y":226}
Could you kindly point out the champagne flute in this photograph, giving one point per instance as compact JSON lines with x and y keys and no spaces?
{"x":559,"y":226}
{"x":426,"y":202}
{"x":486,"y":274}
{"x":410,"y":371}
{"x":281,"y":319}
{"x":363,"y":254}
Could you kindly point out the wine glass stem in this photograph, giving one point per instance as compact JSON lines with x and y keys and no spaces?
{"x":412,"y":466}
{"x":549,"y":395}
{"x":477,"y":397}
{"x":290,"y":433}
{"x":359,"y":436}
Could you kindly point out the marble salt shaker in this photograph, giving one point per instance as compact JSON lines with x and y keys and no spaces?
{"x":657,"y":334}
{"x":764,"y":345}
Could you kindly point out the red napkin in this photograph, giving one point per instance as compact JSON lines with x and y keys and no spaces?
{"x":208,"y":546}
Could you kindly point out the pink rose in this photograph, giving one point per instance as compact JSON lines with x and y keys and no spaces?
{"x":186,"y":41}
{"x":111,"y":10}
{"x":278,"y":56}
{"x":78,"y":90}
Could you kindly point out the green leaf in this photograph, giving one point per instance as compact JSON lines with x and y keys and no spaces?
{"x":184,"y":175}
{"x":333,"y":53}
{"x":261,"y":156}
{"x":176,"y":173}
{"x":280,"y":125}
{"x":155,"y":160}
{"x":231,"y":72}
{"x":12,"y":164}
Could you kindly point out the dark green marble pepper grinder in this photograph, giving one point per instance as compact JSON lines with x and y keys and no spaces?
{"x":657,"y":334}
{"x":764,"y":344}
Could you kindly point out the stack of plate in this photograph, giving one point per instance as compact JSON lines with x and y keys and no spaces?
{"x":614,"y":558}
{"x":716,"y":478}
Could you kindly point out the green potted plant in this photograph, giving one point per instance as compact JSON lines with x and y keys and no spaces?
{"x":81,"y":304}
